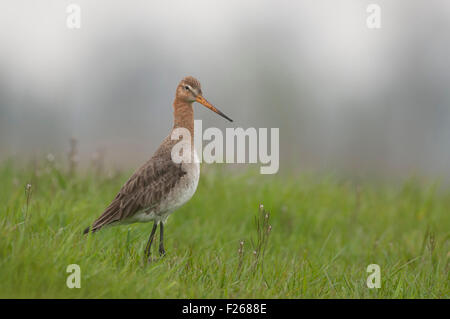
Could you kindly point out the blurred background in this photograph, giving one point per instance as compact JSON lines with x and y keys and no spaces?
{"x":363,"y":102}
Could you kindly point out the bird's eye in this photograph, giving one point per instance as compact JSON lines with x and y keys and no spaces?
{"x":186,"y":87}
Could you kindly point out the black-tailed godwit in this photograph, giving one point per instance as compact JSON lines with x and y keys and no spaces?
{"x":160,"y":186}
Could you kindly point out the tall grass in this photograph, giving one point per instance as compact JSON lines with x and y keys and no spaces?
{"x":313,"y":237}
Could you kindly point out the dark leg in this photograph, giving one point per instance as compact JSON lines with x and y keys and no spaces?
{"x":150,"y":240}
{"x":162,"y":252}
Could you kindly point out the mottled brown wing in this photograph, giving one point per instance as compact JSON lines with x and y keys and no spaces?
{"x":145,"y":189}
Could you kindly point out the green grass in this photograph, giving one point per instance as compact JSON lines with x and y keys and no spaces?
{"x":325,"y":232}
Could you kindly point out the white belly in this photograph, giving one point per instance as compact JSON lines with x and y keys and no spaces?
{"x":177,"y":197}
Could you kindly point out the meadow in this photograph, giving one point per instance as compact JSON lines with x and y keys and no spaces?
{"x":313,"y":238}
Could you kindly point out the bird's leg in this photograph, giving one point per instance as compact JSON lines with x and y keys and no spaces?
{"x":150,"y":240}
{"x":162,"y":252}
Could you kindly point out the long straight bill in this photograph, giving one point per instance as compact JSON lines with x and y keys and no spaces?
{"x":200,"y":99}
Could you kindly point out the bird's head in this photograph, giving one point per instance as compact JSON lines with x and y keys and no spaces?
{"x":189,"y":90}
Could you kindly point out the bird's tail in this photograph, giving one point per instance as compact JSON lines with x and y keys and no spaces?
{"x":90,"y":229}
{"x":109,"y":216}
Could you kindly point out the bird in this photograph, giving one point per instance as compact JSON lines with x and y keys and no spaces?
{"x":160,"y":186}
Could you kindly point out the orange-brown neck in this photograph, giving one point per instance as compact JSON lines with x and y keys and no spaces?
{"x":183,"y":115}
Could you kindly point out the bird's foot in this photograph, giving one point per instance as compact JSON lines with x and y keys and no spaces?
{"x":149,"y":259}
